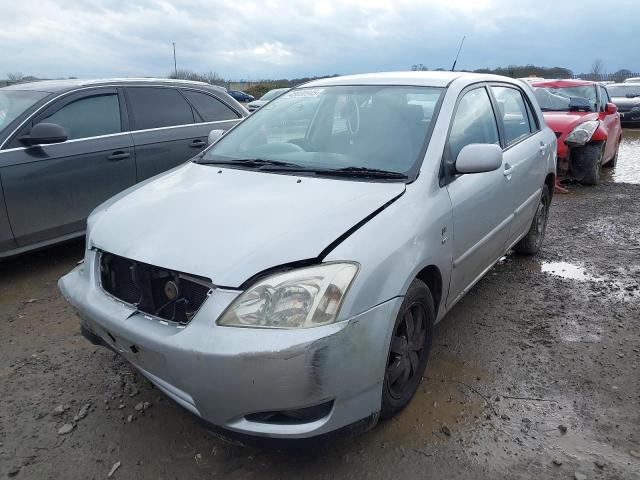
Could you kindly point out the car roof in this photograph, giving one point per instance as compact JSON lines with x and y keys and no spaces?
{"x":563,"y":83}
{"x":54,"y":86}
{"x":421,"y":78}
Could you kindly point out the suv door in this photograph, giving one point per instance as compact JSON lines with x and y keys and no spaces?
{"x":481,"y":211}
{"x":524,"y":156}
{"x":51,"y":189}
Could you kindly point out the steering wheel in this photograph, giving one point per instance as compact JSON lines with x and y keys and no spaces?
{"x":353,"y":117}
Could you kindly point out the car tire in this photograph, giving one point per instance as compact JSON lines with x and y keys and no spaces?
{"x":531,"y":243}
{"x":586,"y":163}
{"x":408,"y":349}
{"x":613,"y":162}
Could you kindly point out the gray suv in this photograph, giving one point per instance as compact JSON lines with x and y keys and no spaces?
{"x":68,"y":145}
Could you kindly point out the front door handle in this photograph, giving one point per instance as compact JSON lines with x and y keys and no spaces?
{"x":508,"y":170}
{"x":116,"y":156}
{"x":197,"y":144}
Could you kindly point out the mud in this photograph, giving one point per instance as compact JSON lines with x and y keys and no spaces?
{"x":534,"y":374}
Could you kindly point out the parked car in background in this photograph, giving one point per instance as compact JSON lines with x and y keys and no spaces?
{"x":241,"y":96}
{"x":632,"y":80}
{"x":266,"y":98}
{"x":68,"y":145}
{"x":292,"y":286}
{"x":626,"y":97}
{"x":586,"y":123}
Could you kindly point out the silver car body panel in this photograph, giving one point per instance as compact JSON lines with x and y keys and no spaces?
{"x":248,"y":229}
{"x":229,"y":225}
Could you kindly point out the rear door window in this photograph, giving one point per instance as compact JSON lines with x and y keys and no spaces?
{"x":513,"y":114}
{"x":210,"y":108}
{"x":474,"y":122}
{"x":88,"y":117}
{"x":155,"y":107}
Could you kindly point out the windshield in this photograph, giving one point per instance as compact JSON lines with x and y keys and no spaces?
{"x":565,"y":98}
{"x":628,"y":91}
{"x":357,"y":129}
{"x":271,"y":94}
{"x":14,"y":102}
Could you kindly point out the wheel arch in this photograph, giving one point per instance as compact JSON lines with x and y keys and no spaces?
{"x":432,"y":277}
{"x":550,"y":182}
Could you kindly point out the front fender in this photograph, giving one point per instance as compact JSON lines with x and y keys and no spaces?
{"x":392,"y":248}
{"x":600,"y":135}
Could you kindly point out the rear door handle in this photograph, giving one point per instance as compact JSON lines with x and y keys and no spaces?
{"x":115,"y":156}
{"x":197,"y":144}
{"x":543,"y":148}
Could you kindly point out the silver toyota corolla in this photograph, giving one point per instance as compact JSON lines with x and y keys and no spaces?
{"x":285,"y":283}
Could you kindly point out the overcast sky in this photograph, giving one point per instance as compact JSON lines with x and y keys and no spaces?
{"x":274,"y":39}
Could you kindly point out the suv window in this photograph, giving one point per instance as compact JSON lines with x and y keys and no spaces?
{"x":474,"y":122}
{"x":210,"y":108}
{"x":513,"y":113}
{"x":89,"y":116}
{"x":158,"y":107}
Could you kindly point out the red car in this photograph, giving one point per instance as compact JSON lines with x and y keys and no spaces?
{"x":586,"y":123}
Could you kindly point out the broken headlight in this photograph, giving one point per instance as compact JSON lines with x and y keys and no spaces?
{"x":582,"y":133}
{"x":301,"y":298}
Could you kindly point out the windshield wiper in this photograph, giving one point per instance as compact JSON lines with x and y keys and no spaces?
{"x":251,"y":162}
{"x":365,"y":172}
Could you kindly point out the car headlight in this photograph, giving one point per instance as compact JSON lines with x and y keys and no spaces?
{"x":582,"y":133}
{"x":301,"y":298}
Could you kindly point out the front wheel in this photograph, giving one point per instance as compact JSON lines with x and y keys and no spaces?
{"x":532,"y":241}
{"x":409,"y":349}
{"x":586,"y":162}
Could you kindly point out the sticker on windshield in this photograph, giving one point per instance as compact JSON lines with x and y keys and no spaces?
{"x":305,"y":92}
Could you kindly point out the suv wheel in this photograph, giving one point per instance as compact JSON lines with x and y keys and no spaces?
{"x":532,"y":241}
{"x":409,"y":349}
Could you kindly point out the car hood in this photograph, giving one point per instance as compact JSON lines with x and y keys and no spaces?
{"x":564,"y":122}
{"x":228,"y":224}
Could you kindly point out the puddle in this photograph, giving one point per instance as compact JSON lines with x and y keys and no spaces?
{"x":620,"y":283}
{"x":627,"y":169}
{"x":566,"y":270}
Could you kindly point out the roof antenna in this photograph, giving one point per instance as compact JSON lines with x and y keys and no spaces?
{"x":456,"y":60}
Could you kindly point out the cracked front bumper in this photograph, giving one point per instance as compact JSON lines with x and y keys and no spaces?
{"x":223,"y":374}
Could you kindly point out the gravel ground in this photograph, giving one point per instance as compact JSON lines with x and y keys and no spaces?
{"x":534,"y":374}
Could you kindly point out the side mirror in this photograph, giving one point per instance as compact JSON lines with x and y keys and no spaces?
{"x":611,"y":108}
{"x":479,"y":158}
{"x":214,"y":136}
{"x":44,"y":133}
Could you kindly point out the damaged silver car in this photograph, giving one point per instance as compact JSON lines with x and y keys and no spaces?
{"x":286,"y":282}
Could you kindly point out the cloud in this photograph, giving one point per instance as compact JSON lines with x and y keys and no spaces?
{"x":274,"y":39}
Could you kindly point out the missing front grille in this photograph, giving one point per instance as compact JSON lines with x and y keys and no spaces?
{"x":167,"y":294}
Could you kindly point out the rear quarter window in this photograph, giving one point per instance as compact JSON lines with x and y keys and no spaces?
{"x":210,"y":108}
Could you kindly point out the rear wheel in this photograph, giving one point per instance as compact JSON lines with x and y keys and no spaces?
{"x":532,"y":242}
{"x":586,"y":162}
{"x":409,"y":349}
